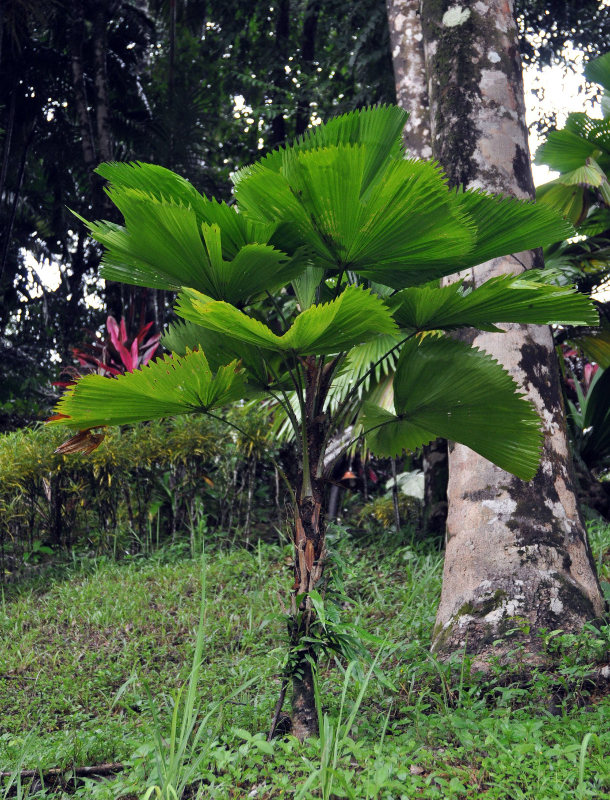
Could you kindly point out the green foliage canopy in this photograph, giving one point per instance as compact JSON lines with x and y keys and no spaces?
{"x":355,"y":223}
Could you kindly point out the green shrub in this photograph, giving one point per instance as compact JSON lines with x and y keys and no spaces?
{"x":380,"y":511}
{"x":141,"y":486}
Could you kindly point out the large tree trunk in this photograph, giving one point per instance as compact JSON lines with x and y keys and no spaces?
{"x":517,"y":556}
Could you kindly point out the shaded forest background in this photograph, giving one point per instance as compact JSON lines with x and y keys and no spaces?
{"x":199,"y":87}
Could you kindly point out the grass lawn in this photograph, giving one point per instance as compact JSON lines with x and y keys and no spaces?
{"x":92,"y":658}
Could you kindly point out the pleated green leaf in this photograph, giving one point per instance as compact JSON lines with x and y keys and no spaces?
{"x":167,"y":386}
{"x":164,"y":246}
{"x":565,"y":150}
{"x":598,"y":71}
{"x":260,"y":372}
{"x":378,"y":130}
{"x":506,"y":298}
{"x":388,"y":233}
{"x":153,"y":180}
{"x":355,"y":316}
{"x":446,"y":388}
{"x":504,"y":225}
{"x":572,"y":201}
{"x":165,"y":186}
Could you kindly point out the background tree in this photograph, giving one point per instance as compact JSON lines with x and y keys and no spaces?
{"x":198,"y":86}
{"x":539,"y":569}
{"x":580,"y":153}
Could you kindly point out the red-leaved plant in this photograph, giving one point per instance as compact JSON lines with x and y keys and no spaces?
{"x":113,"y":355}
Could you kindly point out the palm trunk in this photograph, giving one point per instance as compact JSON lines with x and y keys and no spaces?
{"x":517,"y":555}
{"x":304,"y":714}
{"x":310,"y":552}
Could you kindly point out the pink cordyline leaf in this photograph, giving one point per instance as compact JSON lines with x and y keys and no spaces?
{"x":134,"y":354}
{"x":106,"y":368}
{"x":151,"y":349}
{"x":113,"y":330}
{"x":143,"y":331}
{"x":125,"y":357}
{"x":123,"y":331}
{"x":590,"y":370}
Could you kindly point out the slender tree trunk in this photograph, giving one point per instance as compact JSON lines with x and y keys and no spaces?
{"x":517,"y":556}
{"x":1,"y":26}
{"x":171,"y":80}
{"x":395,"y":497}
{"x":102,"y":105}
{"x":279,"y":78}
{"x":308,"y":50}
{"x":77,"y":36}
{"x":8,"y":135}
{"x":407,"y":44}
{"x":406,"y":40}
{"x":8,"y":231}
{"x":435,"y":466}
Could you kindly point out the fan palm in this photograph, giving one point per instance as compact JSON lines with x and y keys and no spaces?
{"x":361,"y":234}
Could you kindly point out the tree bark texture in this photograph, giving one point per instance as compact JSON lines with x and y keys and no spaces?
{"x":77,"y":36}
{"x":102,"y":107}
{"x":517,"y":555}
{"x":406,"y":40}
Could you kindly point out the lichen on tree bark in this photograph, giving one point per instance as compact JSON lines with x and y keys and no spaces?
{"x":517,"y":556}
{"x":406,"y":40}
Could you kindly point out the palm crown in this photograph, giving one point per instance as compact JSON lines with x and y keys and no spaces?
{"x":359,"y":235}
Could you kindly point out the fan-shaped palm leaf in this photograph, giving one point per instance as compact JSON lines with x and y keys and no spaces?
{"x":165,"y":186}
{"x":164,"y":246}
{"x":169,"y":385}
{"x":261,"y":372}
{"x":583,"y":141}
{"x":598,"y":71}
{"x":388,"y":233}
{"x":504,"y":225}
{"x":378,"y":130}
{"x":506,"y":298}
{"x":446,"y":388}
{"x":355,"y":316}
{"x":153,"y":180}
